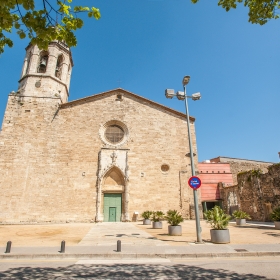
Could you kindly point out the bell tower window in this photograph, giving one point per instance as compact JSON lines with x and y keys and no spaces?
{"x":28,"y":63}
{"x":43,"y":62}
{"x":58,"y":68}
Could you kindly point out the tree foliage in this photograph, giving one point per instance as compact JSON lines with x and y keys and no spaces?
{"x":260,"y":11}
{"x":43,"y":21}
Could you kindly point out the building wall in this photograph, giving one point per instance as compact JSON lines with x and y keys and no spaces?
{"x":49,"y":157}
{"x":239,"y":165}
{"x":256,"y":194}
{"x":211,"y":174}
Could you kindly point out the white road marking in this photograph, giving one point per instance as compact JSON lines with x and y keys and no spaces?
{"x":136,"y":261}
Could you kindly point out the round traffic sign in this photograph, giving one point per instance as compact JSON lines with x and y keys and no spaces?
{"x":194,"y":182}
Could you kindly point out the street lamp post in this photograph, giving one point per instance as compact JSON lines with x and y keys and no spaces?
{"x":169,"y":93}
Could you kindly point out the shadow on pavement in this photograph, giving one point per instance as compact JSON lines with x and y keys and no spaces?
{"x":272,"y":234}
{"x":254,"y":227}
{"x":124,"y":271}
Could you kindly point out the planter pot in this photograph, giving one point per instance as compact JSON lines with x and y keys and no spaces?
{"x":220,"y":236}
{"x":277,"y":224}
{"x":146,"y":222}
{"x":240,"y":222}
{"x":175,"y":230}
{"x":157,"y":224}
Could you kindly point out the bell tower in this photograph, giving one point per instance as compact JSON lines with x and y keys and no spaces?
{"x":47,"y":73}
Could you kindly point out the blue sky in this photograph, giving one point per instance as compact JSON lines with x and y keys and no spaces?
{"x":147,"y":46}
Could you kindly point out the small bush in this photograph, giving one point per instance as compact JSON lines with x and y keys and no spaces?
{"x":157,"y":216}
{"x":238,"y":214}
{"x":147,"y":214}
{"x":173,"y":217}
{"x":275,"y":215}
{"x":217,"y":218}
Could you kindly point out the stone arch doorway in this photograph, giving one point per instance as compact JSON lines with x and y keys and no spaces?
{"x":113,"y":191}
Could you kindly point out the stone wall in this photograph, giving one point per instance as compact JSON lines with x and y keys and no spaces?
{"x":256,"y":194}
{"x":240,"y":165}
{"x":49,"y":157}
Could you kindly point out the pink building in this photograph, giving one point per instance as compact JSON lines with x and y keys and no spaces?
{"x":211,"y":174}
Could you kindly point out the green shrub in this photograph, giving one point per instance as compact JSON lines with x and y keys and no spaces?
{"x":147,"y":214}
{"x":238,"y":214}
{"x":275,"y":215}
{"x":217,"y":218}
{"x":173,"y":217}
{"x":157,"y":216}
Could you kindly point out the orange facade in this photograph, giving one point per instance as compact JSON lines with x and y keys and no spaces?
{"x":211,"y":174}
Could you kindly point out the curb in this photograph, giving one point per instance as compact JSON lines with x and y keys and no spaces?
{"x":137,"y":256}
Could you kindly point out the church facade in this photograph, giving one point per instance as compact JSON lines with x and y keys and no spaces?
{"x":106,"y":157}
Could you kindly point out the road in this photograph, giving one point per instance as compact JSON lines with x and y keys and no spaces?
{"x":198,"y":269}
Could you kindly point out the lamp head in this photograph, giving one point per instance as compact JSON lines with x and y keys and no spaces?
{"x":169,"y":93}
{"x":180,"y":95}
{"x":196,"y":96}
{"x":186,"y":80}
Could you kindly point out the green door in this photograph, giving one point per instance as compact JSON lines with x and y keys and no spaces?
{"x":112,"y":207}
{"x":112,"y":214}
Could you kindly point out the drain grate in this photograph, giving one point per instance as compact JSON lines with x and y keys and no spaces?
{"x":240,"y":250}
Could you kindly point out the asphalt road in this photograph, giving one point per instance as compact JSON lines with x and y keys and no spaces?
{"x":218,"y":268}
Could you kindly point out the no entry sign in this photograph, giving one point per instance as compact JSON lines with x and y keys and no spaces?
{"x":194,"y":182}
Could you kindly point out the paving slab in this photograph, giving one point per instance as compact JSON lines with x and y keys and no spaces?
{"x":109,"y":233}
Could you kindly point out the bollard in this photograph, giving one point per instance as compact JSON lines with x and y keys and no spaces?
{"x":62,"y":250}
{"x":119,"y":246}
{"x":8,"y":248}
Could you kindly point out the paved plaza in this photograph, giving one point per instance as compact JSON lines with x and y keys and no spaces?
{"x":99,"y":240}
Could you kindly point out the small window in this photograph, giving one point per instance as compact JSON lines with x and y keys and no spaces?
{"x":165,"y":168}
{"x":114,"y":134}
{"x":58,"y":68}
{"x":28,"y":63}
{"x":119,"y":97}
{"x":43,"y":62}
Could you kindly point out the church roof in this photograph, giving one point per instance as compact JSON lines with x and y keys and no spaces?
{"x":96,"y":96}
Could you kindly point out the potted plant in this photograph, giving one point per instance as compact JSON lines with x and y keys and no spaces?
{"x":275,"y":216}
{"x":174,"y":218}
{"x":157,"y":217}
{"x":218,"y":220}
{"x":147,"y":215}
{"x":240,"y":217}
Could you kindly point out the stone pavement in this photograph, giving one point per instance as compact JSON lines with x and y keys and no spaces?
{"x":138,"y":241}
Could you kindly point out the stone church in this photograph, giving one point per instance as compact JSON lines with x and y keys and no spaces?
{"x":105,"y":157}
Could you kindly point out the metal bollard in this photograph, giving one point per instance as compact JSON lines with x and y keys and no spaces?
{"x":119,"y":246}
{"x":8,"y":248}
{"x":62,"y":250}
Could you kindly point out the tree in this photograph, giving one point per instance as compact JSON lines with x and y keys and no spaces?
{"x":47,"y":21}
{"x":260,"y":11}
